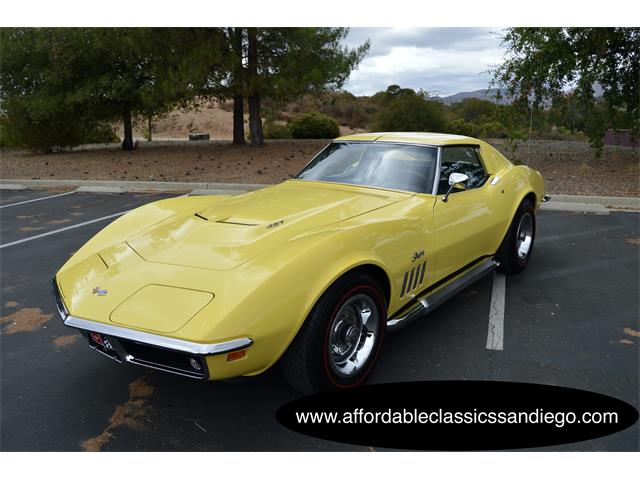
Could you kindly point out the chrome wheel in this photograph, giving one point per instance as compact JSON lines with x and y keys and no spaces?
{"x":353,"y":335}
{"x":524,"y":236}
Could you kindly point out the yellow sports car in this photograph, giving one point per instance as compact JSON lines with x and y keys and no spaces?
{"x":377,"y":230}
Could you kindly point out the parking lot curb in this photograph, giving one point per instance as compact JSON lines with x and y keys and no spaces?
{"x":608,"y":202}
{"x":97,"y":189}
{"x":133,"y":186}
{"x":597,"y":205}
{"x":214,"y":191}
{"x":12,"y":186}
{"x":591,"y":208}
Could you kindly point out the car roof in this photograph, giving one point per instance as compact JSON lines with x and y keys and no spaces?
{"x":426,"y":138}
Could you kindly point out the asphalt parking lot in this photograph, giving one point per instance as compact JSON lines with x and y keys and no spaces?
{"x":571,"y":319}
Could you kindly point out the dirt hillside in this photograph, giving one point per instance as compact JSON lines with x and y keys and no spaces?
{"x":213,"y":118}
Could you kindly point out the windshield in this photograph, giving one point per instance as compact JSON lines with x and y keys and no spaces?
{"x":398,"y":167}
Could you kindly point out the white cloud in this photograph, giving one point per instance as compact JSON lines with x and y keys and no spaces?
{"x":440,"y":60}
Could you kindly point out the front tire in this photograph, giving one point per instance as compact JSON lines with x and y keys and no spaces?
{"x":341,"y":338}
{"x":517,"y":246}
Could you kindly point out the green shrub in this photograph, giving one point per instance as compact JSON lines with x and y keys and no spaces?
{"x":474,"y":110}
{"x":492,"y":130}
{"x":274,"y":130}
{"x":47,"y":134}
{"x":101,"y":134}
{"x":314,"y":125}
{"x":460,"y":127}
{"x":560,"y":133}
{"x":411,"y":113}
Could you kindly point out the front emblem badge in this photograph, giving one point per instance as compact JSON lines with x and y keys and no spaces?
{"x":99,"y":291}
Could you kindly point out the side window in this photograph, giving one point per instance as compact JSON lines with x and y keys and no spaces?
{"x":461,"y":160}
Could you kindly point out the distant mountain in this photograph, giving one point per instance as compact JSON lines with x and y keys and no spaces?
{"x":491,"y":93}
{"x":483,"y":94}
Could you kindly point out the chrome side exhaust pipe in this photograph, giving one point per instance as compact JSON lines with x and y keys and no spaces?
{"x":427,"y":302}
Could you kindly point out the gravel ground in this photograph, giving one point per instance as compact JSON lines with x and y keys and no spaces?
{"x":571,"y":168}
{"x":567,"y":167}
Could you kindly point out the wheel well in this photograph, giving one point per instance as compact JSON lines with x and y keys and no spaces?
{"x":379,"y":274}
{"x":531,"y":197}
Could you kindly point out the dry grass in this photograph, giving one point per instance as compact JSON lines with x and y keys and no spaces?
{"x":572,"y":168}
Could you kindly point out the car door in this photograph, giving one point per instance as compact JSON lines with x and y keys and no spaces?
{"x":463,"y":225}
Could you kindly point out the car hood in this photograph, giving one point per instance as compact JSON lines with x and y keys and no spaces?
{"x":235,"y":229}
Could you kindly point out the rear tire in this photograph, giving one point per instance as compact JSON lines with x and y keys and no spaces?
{"x":517,"y":246}
{"x":340,"y":340}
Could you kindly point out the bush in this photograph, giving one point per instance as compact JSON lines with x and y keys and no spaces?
{"x":56,"y":131}
{"x":492,"y":130}
{"x":274,"y":130}
{"x":101,"y":134}
{"x":460,"y":127}
{"x":314,"y":125}
{"x":412,"y":113}
{"x":560,"y":133}
{"x":474,"y":110}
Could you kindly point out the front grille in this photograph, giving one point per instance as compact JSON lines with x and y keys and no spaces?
{"x":162,"y":359}
{"x":121,"y":349}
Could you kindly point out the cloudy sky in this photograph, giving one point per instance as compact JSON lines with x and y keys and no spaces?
{"x":442,"y":61}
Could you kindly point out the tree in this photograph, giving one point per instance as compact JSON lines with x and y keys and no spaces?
{"x":236,"y":37}
{"x":39,"y":108}
{"x":544,"y":62}
{"x":283,"y":63}
{"x":255,"y":117}
{"x":149,"y":71}
{"x":475,"y":110}
{"x":411,"y":112}
{"x":67,"y":80}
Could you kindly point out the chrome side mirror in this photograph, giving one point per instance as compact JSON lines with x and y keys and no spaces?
{"x":457,"y":181}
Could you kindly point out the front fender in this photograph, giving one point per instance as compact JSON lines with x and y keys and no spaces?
{"x":268,"y":298}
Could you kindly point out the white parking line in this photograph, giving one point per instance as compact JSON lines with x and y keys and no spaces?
{"x":495,"y":334}
{"x":70,"y":227}
{"x":37,"y":199}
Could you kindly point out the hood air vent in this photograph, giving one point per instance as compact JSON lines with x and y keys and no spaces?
{"x":227,"y":221}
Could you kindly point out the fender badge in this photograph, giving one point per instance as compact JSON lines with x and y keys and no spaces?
{"x":100,"y":292}
{"x":417,"y":256}
{"x":275,"y":224}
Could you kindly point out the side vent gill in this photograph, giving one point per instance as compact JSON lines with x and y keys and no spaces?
{"x":413,"y":279}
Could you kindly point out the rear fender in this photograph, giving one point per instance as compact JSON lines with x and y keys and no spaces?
{"x":519,"y":181}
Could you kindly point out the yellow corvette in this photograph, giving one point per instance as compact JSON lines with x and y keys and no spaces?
{"x":377,"y":230}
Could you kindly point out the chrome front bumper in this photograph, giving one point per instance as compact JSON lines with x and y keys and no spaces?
{"x":150,"y":350}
